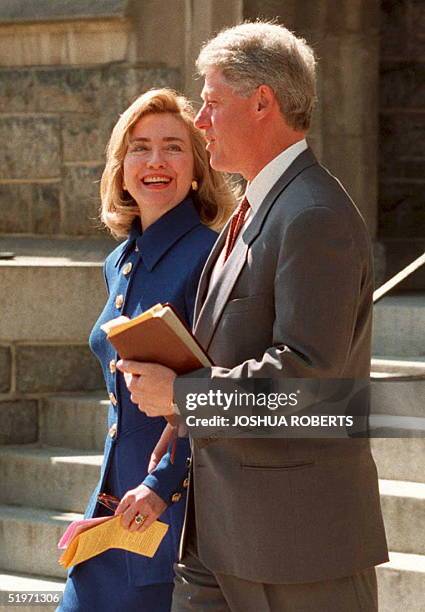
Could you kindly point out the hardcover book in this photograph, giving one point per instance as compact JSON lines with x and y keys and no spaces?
{"x":158,"y":335}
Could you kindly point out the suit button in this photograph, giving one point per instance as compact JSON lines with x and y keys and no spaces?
{"x":112,"y":431}
{"x":176,"y":497}
{"x":127,"y":268}
{"x":185,"y":483}
{"x":188,"y":462}
{"x":112,"y":366}
{"x":119,"y":301}
{"x":113,"y":399}
{"x":136,"y":249}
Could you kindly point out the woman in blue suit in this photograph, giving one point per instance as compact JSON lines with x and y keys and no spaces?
{"x":159,"y":191}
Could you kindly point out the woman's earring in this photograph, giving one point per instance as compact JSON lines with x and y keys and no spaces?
{"x":195,"y":185}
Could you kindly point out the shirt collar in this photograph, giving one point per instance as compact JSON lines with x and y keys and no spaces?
{"x":159,"y":237}
{"x":259,"y":187}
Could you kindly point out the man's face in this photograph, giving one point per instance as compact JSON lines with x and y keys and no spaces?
{"x":229,"y":125}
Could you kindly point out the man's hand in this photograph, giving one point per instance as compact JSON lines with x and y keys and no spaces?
{"x":140,"y":501}
{"x":150,"y":386}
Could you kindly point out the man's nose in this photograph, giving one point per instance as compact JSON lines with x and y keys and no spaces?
{"x":202,"y":119}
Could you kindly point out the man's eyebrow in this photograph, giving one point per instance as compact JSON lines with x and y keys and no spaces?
{"x":209,"y":94}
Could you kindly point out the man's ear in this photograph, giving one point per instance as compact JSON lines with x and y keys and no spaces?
{"x":265,"y":100}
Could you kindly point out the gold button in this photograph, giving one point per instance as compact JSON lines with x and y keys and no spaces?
{"x":112,"y":366}
{"x":112,"y":431}
{"x":119,"y":301}
{"x":127,"y":268}
{"x":176,"y":497}
{"x":185,"y":483}
{"x":113,"y":399}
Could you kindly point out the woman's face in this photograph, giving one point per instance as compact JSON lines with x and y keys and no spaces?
{"x":158,"y":165}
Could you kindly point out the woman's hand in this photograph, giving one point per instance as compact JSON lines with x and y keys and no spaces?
{"x":161,"y":447}
{"x":143,"y":502}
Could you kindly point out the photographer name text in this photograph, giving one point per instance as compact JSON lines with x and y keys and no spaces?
{"x":271,"y":421}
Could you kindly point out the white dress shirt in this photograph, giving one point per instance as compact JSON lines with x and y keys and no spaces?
{"x":257,"y":190}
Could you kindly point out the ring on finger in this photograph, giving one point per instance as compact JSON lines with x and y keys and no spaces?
{"x":139,"y":519}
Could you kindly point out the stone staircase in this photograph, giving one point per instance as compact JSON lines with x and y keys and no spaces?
{"x":46,"y":483}
{"x":398,"y":407}
{"x":52,"y":409}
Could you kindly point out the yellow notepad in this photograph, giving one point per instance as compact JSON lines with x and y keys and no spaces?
{"x":111,"y":534}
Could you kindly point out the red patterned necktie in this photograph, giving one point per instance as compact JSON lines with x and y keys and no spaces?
{"x":235,"y":226}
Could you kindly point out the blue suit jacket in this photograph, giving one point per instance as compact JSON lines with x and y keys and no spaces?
{"x":162,"y":264}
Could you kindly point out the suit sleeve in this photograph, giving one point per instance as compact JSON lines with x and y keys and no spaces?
{"x":317,"y":285}
{"x":168,"y":478}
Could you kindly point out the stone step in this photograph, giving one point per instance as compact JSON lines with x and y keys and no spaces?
{"x":403,"y":507}
{"x":29,"y":537}
{"x":56,"y":286}
{"x":48,"y":477}
{"x":400,"y":458}
{"x":401,"y":583}
{"x":397,"y":368}
{"x":398,"y":325}
{"x":74,"y":421}
{"x":390,"y":426}
{"x":398,"y":386}
{"x":12,"y":582}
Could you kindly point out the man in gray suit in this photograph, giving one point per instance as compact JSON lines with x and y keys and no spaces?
{"x":276,"y":524}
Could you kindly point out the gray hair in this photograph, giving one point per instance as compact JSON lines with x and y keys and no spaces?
{"x":261,"y":53}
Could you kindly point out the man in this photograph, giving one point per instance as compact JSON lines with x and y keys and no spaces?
{"x":289,"y":524}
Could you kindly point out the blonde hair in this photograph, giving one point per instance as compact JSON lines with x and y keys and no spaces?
{"x":214,"y":198}
{"x":262,"y":53}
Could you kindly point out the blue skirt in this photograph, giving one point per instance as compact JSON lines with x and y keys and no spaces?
{"x":100,"y":585}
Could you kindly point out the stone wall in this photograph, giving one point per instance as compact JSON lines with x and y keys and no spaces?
{"x":54,"y":125}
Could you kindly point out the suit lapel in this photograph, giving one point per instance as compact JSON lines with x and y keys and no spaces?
{"x":209,"y":307}
{"x":212,"y":307}
{"x":206,"y":272}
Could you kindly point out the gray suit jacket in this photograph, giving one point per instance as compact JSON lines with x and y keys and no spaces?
{"x":295,"y":301}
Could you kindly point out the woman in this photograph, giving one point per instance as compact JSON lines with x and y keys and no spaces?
{"x":158,"y":190}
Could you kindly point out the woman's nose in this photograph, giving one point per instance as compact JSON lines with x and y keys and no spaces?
{"x":156,"y":160}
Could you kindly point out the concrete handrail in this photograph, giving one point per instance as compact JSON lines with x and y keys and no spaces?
{"x":400,"y":276}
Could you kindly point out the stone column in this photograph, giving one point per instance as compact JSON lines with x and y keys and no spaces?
{"x":204,"y":18}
